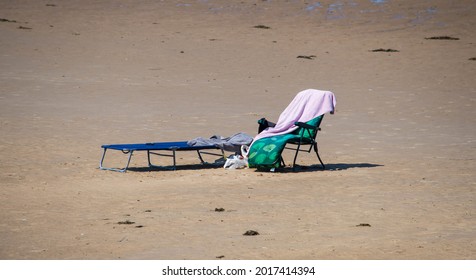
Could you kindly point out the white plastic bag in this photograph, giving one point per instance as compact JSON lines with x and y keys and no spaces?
{"x":238,"y":161}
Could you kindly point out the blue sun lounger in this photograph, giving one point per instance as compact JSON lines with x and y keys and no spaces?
{"x":152,"y":149}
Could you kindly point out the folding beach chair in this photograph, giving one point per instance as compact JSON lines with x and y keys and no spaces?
{"x":157,"y":148}
{"x":297,"y":127}
{"x":270,"y":149}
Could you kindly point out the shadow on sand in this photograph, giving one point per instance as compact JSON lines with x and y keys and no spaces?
{"x":344,"y":166}
{"x":287,"y":169}
{"x":178,"y":167}
{"x":329,"y":167}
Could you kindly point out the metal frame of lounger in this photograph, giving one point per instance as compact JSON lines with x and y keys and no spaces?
{"x":156,"y":146}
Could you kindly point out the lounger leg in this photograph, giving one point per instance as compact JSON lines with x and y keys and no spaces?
{"x":175,"y":166}
{"x":114,"y":169}
{"x":102,"y":159}
{"x":317,"y":153}
{"x":204,"y":162}
{"x":200,"y":157}
{"x":128,"y":161}
{"x":148,"y":158}
{"x":174,"y":156}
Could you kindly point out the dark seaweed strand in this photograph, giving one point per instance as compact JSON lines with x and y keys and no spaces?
{"x":441,"y":38}
{"x":6,"y":20}
{"x":385,"y":50}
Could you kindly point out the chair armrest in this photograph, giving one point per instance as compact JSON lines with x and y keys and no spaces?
{"x":266,"y":123}
{"x":305,"y":125}
{"x":261,"y":121}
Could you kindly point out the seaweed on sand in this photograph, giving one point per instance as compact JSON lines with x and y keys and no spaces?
{"x":126,"y":222}
{"x":6,"y":20}
{"x":441,"y":38}
{"x":306,"y":56}
{"x":384,"y":50}
{"x":363,"y":225}
{"x":251,"y":233}
{"x":262,"y":26}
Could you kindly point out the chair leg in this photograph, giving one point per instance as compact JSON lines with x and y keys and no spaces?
{"x":295,"y":156}
{"x":282,"y":161}
{"x":317,"y":153}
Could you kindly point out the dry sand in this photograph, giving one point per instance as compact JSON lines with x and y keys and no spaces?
{"x":400,"y":149}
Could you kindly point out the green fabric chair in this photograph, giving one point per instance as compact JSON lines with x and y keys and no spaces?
{"x":266,"y":152}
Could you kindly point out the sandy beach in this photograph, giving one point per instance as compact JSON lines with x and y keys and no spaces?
{"x":400,"y":150}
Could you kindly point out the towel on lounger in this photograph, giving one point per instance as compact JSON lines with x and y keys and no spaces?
{"x":230,"y":144}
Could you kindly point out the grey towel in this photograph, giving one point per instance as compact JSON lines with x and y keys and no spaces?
{"x":230,"y":144}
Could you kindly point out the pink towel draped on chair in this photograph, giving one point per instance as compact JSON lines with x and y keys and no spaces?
{"x":307,"y":105}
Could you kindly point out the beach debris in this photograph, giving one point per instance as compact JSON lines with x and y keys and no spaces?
{"x":363,"y":225}
{"x":306,"y":56}
{"x":251,"y":233}
{"x":219,"y":209}
{"x":6,"y":20}
{"x":126,"y":222}
{"x":24,"y":27}
{"x":50,"y":5}
{"x":384,"y":50}
{"x":441,"y":38}
{"x":472,"y":58}
{"x":314,"y":6}
{"x":148,"y":211}
{"x":262,"y":26}
{"x":139,"y":226}
{"x":220,"y":257}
